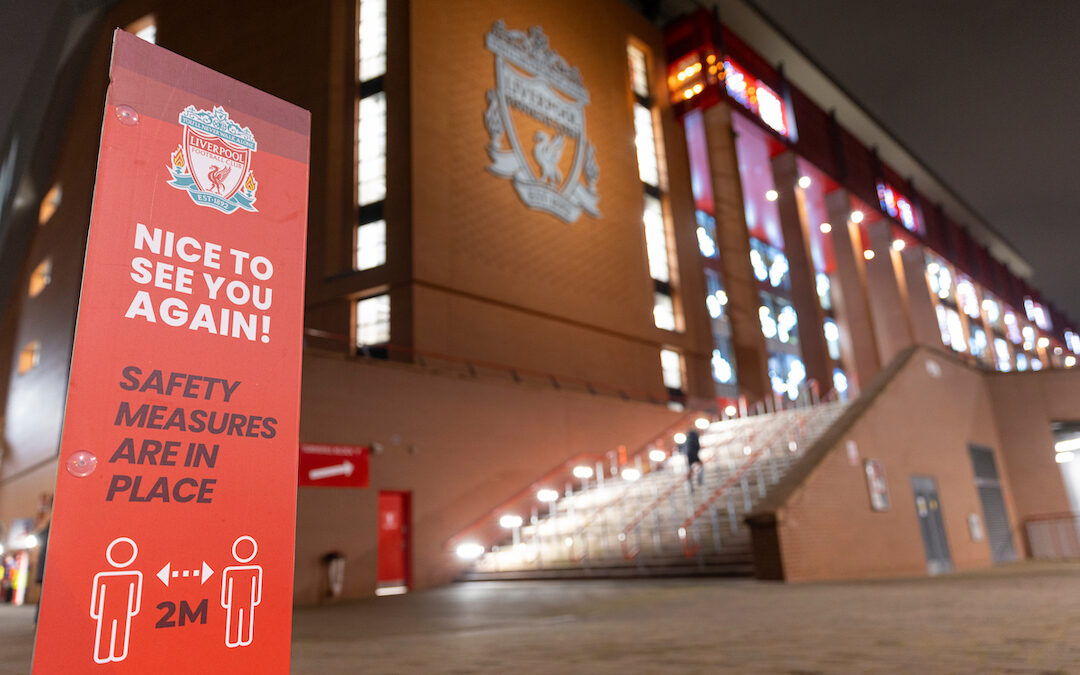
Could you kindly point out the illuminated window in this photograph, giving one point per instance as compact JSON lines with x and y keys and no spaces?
{"x":639,"y":74}
{"x":824,"y":290}
{"x":722,"y":370}
{"x":656,"y":247}
{"x":371,"y":245}
{"x":663,"y":311}
{"x":840,"y":383}
{"x":40,"y":278}
{"x":371,"y":149}
{"x":786,"y":374}
{"x":778,"y":319}
{"x":977,"y":342}
{"x":655,"y":216}
{"x":1012,"y":328}
{"x":645,"y":142}
{"x":1037,"y":313}
{"x":371,"y":39}
{"x":1001,"y":353}
{"x":373,"y":321}
{"x":968,"y":298}
{"x":955,"y":329}
{"x":50,"y":203}
{"x":1029,"y":337}
{"x":716,"y":301}
{"x":671,"y":368}
{"x":145,"y":28}
{"x":1072,"y":341}
{"x":832,"y":338}
{"x":769,"y":264}
{"x":29,"y":357}
{"x":897,"y":206}
{"x":939,"y":278}
{"x":753,"y":95}
{"x":1021,"y":361}
{"x":706,"y":235}
{"x":992,"y":311}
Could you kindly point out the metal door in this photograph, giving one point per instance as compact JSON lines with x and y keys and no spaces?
{"x":931,"y":524}
{"x":998,"y":531}
{"x":393,"y":529}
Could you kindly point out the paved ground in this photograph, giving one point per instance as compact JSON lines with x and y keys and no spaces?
{"x":1022,"y":618}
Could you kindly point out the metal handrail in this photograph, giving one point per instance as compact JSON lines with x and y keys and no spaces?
{"x":561,"y":469}
{"x":678,"y":424}
{"x":802,"y":421}
{"x":651,"y":506}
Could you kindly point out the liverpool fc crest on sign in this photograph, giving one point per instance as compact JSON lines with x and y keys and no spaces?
{"x":213,"y":163}
{"x":536,"y":120}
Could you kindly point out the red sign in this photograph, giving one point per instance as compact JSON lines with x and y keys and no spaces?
{"x":171,"y":545}
{"x":333,"y":465}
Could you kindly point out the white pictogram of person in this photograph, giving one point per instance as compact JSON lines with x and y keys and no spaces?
{"x":241,"y":591}
{"x":116,"y":598}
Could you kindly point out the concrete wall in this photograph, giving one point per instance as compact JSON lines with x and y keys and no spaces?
{"x":1025,"y":404}
{"x":920,"y":424}
{"x":461,"y":446}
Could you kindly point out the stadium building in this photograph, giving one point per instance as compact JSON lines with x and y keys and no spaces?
{"x":548,"y":238}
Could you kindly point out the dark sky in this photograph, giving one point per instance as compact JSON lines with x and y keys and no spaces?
{"x":985,"y":92}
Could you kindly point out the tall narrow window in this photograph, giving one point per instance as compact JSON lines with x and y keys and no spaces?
{"x":29,"y":357}
{"x":645,"y":142}
{"x":671,"y":366}
{"x":655,"y":216}
{"x":371,"y":150}
{"x":373,"y":321}
{"x":40,"y":278}
{"x":370,"y":232}
{"x":371,"y":245}
{"x":371,"y":39}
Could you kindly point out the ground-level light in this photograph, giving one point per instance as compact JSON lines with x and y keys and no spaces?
{"x":469,"y":550}
{"x":547,"y":495}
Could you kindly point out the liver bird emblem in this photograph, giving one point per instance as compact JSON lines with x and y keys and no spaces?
{"x":548,"y":152}
{"x":217,"y":176}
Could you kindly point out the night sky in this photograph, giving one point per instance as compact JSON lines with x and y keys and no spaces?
{"x":985,"y":92}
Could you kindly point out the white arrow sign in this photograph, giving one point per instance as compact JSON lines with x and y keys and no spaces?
{"x":343,"y":469}
{"x":167,"y":572}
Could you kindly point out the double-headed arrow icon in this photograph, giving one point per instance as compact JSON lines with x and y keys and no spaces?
{"x":166,"y":573}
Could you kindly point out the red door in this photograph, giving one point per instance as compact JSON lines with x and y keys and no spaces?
{"x":394,"y":565}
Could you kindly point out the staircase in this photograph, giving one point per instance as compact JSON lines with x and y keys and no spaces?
{"x":651,"y":520}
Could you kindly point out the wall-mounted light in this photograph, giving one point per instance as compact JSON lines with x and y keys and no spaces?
{"x":857,"y":217}
{"x":772,"y":195}
{"x":825,"y":228}
{"x":804,"y":182}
